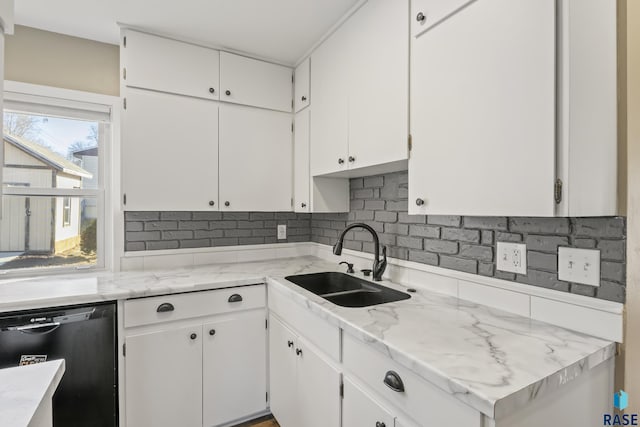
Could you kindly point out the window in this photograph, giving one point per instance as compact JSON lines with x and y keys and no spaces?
{"x":53,"y":174}
{"x":66,"y":211}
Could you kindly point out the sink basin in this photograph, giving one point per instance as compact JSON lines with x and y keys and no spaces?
{"x":347,"y":291}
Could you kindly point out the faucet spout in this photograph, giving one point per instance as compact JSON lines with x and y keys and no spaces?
{"x":379,"y":265}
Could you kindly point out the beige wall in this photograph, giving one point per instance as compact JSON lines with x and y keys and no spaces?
{"x":52,"y":59}
{"x":632,"y":333}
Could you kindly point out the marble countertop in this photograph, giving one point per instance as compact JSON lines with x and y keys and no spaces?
{"x":492,"y":360}
{"x":23,"y":389}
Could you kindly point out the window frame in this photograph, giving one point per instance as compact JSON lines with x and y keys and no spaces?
{"x":108,"y":179}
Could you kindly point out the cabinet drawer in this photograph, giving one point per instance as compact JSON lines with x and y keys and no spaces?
{"x":147,"y":311}
{"x":314,"y":329}
{"x":420,"y":400}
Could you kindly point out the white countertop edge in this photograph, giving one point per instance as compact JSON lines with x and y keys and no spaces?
{"x":24,"y":388}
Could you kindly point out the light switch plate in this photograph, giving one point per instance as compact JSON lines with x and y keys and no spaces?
{"x":282,"y":231}
{"x":512,"y":257}
{"x":579,"y":266}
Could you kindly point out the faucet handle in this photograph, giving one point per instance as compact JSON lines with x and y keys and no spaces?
{"x":349,"y":266}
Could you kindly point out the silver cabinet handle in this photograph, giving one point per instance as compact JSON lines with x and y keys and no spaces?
{"x":420,"y":17}
{"x":419,"y":202}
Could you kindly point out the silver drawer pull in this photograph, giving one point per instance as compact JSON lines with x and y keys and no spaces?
{"x":393,"y":381}
{"x":165,"y":307}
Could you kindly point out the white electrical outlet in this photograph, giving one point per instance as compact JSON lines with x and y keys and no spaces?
{"x":512,"y":257}
{"x":579,"y":266}
{"x":282,"y":232}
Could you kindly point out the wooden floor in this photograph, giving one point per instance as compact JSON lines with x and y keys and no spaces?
{"x":261,"y":422}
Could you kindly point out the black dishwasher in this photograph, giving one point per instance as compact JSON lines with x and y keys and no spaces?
{"x":85,"y":336}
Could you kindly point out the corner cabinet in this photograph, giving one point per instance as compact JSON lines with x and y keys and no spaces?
{"x":304,"y":386}
{"x":360,"y":89}
{"x":196,"y":359}
{"x":513,"y":108}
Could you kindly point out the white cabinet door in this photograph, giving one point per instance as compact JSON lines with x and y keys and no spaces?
{"x":157,"y":63}
{"x":163,"y":381}
{"x":318,"y":385}
{"x":379,"y":83}
{"x":483,"y":110}
{"x":169,"y":152}
{"x":249,"y":81}
{"x":359,"y":409}
{"x":301,"y":87}
{"x":282,"y":374}
{"x":255,"y":159}
{"x":329,"y":85}
{"x":301,"y":188}
{"x":234,"y":368}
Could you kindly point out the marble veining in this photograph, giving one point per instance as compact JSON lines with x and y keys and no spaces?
{"x":492,"y":360}
{"x":23,"y":389}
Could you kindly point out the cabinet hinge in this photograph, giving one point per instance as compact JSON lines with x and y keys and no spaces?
{"x":124,"y":103}
{"x":124,"y":199}
{"x":292,"y":127}
{"x":124,"y":350}
{"x":341,"y":389}
{"x":124,"y":73}
{"x":266,"y":323}
{"x":292,"y":103}
{"x":266,"y":396}
{"x":409,"y":144}
{"x":292,"y":202}
{"x":124,"y":41}
{"x":293,"y":78}
{"x":557,"y":191}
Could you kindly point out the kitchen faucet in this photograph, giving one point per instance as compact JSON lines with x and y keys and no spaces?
{"x":379,"y":265}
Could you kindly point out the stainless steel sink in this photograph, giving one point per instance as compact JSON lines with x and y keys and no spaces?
{"x":347,"y":291}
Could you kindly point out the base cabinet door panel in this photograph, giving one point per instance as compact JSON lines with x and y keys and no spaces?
{"x":234,"y":368}
{"x":163,"y":383}
{"x":282,"y":374}
{"x":305,"y":389}
{"x":318,"y":389}
{"x":163,"y":169}
{"x":359,"y":409}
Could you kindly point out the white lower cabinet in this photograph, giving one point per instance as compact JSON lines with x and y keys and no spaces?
{"x":234,"y":367}
{"x":305,"y":387}
{"x":164,"y":378}
{"x":360,"y":409}
{"x":196,"y":370}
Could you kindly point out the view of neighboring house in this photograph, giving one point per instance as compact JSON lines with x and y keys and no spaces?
{"x":39,"y":224}
{"x":88,"y":160}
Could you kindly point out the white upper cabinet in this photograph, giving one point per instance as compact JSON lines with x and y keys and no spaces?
{"x":483,"y":111}
{"x":169,"y":152}
{"x":359,"y":81}
{"x":587,"y":121}
{"x":301,"y":87}
{"x":513,"y":108}
{"x":166,"y":65}
{"x":301,"y":177}
{"x":257,"y":83}
{"x":329,"y":85}
{"x":255,"y":159}
{"x":379,"y":84}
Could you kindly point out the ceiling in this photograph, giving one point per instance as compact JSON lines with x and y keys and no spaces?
{"x":281,"y":30}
